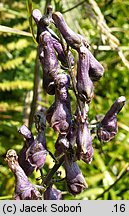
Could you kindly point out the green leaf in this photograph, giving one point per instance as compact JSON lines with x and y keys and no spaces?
{"x":29,"y":8}
{"x":14,"y":31}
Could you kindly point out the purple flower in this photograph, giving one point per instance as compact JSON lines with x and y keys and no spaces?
{"x":61,"y":145}
{"x":26,"y":133}
{"x":36,"y":153}
{"x":84,"y":84}
{"x":52,"y":194}
{"x":26,"y":166}
{"x":75,"y":180}
{"x":73,"y":39}
{"x":50,"y":62}
{"x":59,"y":114}
{"x":84,"y":142}
{"x":61,"y":54}
{"x":42,"y":21}
{"x":24,"y":190}
{"x":108,"y":128}
{"x":96,"y":70}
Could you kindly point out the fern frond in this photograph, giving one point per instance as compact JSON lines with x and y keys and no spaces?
{"x":22,"y":26}
{"x":11,"y":64}
{"x":31,"y":56}
{"x":4,"y":107}
{"x":2,"y":49}
{"x":18,"y":84}
{"x":20,"y":44}
{"x":9,"y":12}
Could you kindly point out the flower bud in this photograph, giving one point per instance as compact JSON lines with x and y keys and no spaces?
{"x":75,"y":180}
{"x":36,"y":14}
{"x":108,"y":128}
{"x":24,"y":190}
{"x":73,"y":39}
{"x":50,"y":62}
{"x":61,"y":55}
{"x":52,"y":194}
{"x":26,"y":133}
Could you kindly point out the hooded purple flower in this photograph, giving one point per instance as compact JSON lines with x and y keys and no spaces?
{"x":84,"y":142}
{"x":42,"y":21}
{"x":66,"y":143}
{"x":61,"y":145}
{"x":52,"y":194}
{"x":24,"y":190}
{"x":29,"y":139}
{"x":48,"y":61}
{"x":96,"y":70}
{"x":84,"y":84}
{"x":36,"y":153}
{"x":59,"y":114}
{"x":75,"y":180}
{"x":108,"y":128}
{"x":73,"y":39}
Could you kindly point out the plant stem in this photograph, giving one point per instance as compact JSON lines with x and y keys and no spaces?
{"x":75,"y":6}
{"x":47,"y":180}
{"x":70,"y":71}
{"x":35,"y":91}
{"x":120,"y":176}
{"x":73,"y":82}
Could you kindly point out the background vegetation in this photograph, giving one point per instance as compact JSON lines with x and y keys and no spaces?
{"x":106,"y":26}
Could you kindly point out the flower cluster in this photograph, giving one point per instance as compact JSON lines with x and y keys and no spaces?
{"x":74,"y":140}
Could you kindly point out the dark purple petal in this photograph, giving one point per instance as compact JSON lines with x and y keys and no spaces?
{"x":26,"y":166}
{"x":108,"y":128}
{"x":50,"y":62}
{"x":36,"y":153}
{"x":75,"y":180}
{"x":52,"y":194}
{"x":59,"y":114}
{"x":61,"y":145}
{"x":61,"y":55}
{"x":73,"y":39}
{"x":84,"y":84}
{"x":96,"y":70}
{"x":84,"y":142}
{"x":26,"y":133}
{"x":23,"y":188}
{"x":36,"y":14}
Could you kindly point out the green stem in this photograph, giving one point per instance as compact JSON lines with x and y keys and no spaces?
{"x":47,"y":180}
{"x":35,"y":91}
{"x":75,"y":6}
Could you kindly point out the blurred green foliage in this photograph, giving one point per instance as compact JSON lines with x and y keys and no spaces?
{"x":17,"y":57}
